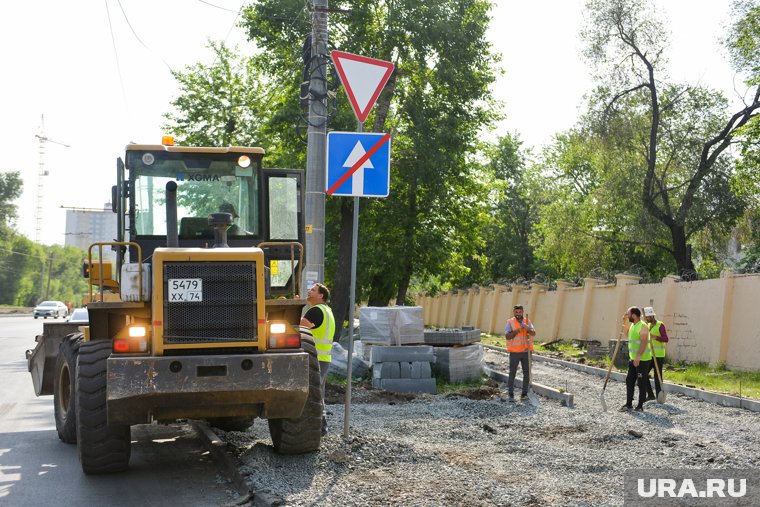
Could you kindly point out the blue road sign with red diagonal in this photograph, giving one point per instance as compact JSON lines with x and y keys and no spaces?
{"x":358,"y":164}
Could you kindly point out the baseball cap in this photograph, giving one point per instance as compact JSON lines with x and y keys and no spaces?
{"x":649,"y":311}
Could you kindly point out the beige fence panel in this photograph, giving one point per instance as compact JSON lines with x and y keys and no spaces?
{"x":715,"y":320}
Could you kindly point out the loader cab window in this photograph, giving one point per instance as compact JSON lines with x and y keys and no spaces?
{"x":206,"y":183}
{"x":284,"y":200}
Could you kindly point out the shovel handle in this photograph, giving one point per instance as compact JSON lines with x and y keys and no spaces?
{"x":654,"y":359}
{"x":614,"y":355}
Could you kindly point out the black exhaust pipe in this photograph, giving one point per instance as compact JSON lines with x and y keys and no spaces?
{"x":172,"y":236}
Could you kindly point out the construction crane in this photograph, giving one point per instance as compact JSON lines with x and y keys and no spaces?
{"x":41,"y":173}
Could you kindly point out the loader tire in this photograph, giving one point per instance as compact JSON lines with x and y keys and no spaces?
{"x":103,"y":448}
{"x":231,"y":423}
{"x":302,"y":434}
{"x":64,"y":398}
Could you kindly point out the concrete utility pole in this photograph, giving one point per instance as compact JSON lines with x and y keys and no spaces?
{"x":314,"y":270}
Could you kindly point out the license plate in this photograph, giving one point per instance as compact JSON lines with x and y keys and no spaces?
{"x":185,"y":290}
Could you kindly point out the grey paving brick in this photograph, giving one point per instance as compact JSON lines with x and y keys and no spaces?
{"x":409,"y":385}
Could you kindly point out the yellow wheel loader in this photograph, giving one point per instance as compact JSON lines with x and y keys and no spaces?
{"x":195,"y":315}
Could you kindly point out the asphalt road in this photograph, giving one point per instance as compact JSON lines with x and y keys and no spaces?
{"x":169,"y":465}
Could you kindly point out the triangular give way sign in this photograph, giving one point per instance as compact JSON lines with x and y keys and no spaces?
{"x":363,"y":79}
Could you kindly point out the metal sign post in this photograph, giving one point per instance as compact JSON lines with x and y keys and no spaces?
{"x":363,"y":79}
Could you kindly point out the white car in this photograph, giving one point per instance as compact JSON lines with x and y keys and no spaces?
{"x":53,"y":309}
{"x":79,"y":316}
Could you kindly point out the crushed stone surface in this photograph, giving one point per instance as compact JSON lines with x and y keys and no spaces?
{"x":475,"y":448}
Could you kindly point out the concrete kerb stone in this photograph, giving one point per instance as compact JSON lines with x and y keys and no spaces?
{"x":231,"y":467}
{"x":709,"y":396}
{"x":565,"y":399}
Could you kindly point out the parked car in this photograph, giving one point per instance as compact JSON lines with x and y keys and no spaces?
{"x":80,"y":316}
{"x":53,"y":309}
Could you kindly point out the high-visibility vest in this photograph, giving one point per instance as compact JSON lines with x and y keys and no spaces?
{"x":654,"y":334}
{"x":521,"y":341}
{"x":634,"y":342}
{"x":323,"y":334}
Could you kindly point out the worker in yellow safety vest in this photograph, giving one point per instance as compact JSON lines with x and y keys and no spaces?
{"x":640,"y":358}
{"x":319,"y":318}
{"x":519,"y":333}
{"x":659,"y":336}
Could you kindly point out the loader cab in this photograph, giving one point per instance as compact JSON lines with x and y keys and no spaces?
{"x":266,"y":204}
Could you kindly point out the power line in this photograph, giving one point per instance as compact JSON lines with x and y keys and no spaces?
{"x":22,"y":253}
{"x":222,"y":8}
{"x":116,"y":55}
{"x":138,"y":37}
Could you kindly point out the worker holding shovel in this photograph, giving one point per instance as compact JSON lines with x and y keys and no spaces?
{"x":640,"y":357}
{"x":517,"y":332}
{"x":659,"y":337}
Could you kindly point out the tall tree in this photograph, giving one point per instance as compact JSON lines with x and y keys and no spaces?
{"x":221,"y":104}
{"x":516,"y":203}
{"x":678,"y":150}
{"x":743,"y":44}
{"x":434,"y":104}
{"x":590,"y":219}
{"x":10,"y":190}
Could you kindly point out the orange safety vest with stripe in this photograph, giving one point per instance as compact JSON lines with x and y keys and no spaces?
{"x":521,"y":340}
{"x":654,"y":334}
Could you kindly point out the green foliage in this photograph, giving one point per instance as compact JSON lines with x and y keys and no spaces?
{"x":743,"y":41}
{"x":221,"y":104}
{"x":592,"y":218}
{"x":667,"y":141}
{"x":435,"y":105}
{"x":31,"y":272}
{"x":10,"y":190}
{"x":518,"y":196}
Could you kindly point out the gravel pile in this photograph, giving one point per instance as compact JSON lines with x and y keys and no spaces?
{"x":475,"y":448}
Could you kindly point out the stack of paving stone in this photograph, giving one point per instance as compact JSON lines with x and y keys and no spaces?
{"x":450,"y":337}
{"x":457,"y":364}
{"x":392,"y":325}
{"x":403,"y":369}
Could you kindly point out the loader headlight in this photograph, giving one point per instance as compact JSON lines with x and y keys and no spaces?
{"x":137,"y":332}
{"x":135,"y":342}
{"x":283,"y":336}
{"x":244,"y":161}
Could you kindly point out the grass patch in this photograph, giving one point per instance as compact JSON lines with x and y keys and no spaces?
{"x":337,"y":380}
{"x":444,"y":387}
{"x":492,"y":339}
{"x":714,"y":378}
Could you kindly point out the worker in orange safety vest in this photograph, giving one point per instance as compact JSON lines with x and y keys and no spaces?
{"x":519,"y":333}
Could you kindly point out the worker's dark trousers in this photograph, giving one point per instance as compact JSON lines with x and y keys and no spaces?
{"x":324,"y":366}
{"x":636,"y":375}
{"x":657,"y":386}
{"x":516,"y":358}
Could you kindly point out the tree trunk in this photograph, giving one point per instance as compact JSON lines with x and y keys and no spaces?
{"x":378,"y":295}
{"x":403,"y":287}
{"x":341,"y":291}
{"x":681,"y":250}
{"x":405,"y":257}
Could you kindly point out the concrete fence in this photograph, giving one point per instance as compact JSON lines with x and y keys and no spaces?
{"x":715,"y":320}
